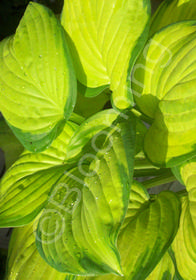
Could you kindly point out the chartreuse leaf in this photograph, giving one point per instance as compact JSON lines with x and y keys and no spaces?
{"x":94,"y":128}
{"x":37,"y":80}
{"x":9,"y":144}
{"x":105,"y":39}
{"x":25,"y":186}
{"x":91,"y":130}
{"x":169,"y":102}
{"x":184,"y":245}
{"x":24,"y":261}
{"x":138,"y":197}
{"x":171,"y":11}
{"x":165,"y":269}
{"x":78,"y":230}
{"x":144,"y":239}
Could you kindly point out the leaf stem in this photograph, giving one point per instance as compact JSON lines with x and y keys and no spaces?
{"x":168,"y":177}
{"x":142,"y":117}
{"x":143,"y":164}
{"x":182,"y":193}
{"x":148,"y":172}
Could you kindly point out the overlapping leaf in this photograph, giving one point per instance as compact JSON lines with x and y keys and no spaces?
{"x":91,"y":130}
{"x":9,"y":144}
{"x":105,"y":39}
{"x":184,"y":245}
{"x":165,"y":269}
{"x":147,"y":233}
{"x":78,"y":230}
{"x":171,"y":102}
{"x":24,"y":261}
{"x":86,"y":106}
{"x":171,"y":11}
{"x":95,"y":128}
{"x":24,"y":188}
{"x":144,"y":240}
{"x":37,"y":80}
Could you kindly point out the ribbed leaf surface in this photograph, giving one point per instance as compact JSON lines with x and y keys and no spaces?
{"x":146,"y":235}
{"x":91,"y":130}
{"x":105,"y":39}
{"x":165,"y":81}
{"x":171,"y":11}
{"x":78,"y":230}
{"x":184,"y":245}
{"x":165,"y":269}
{"x":24,"y":261}
{"x":25,"y":186}
{"x":37,"y":80}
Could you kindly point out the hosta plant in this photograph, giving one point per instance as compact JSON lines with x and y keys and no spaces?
{"x":98,"y":107}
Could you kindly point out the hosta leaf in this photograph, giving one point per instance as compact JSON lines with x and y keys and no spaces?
{"x":144,"y":240}
{"x":184,"y":245}
{"x":24,"y":261}
{"x":78,"y":229}
{"x":9,"y":144}
{"x":165,"y":269}
{"x":164,"y":81}
{"x":37,"y":80}
{"x":92,"y":92}
{"x":91,"y":130}
{"x":25,"y":186}
{"x":105,"y":39}
{"x":98,"y":126}
{"x":137,"y":199}
{"x":146,"y":234}
{"x":88,"y":106}
{"x":171,"y":11}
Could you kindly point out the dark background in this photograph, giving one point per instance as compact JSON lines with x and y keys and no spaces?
{"x":12,"y":10}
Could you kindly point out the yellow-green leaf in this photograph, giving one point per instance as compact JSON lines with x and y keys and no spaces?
{"x":171,"y":11}
{"x":105,"y":38}
{"x":78,"y":230}
{"x":25,"y":186}
{"x":37,"y":79}
{"x":184,"y":245}
{"x":164,"y":81}
{"x":24,"y":260}
{"x":165,"y":269}
{"x":146,"y":235}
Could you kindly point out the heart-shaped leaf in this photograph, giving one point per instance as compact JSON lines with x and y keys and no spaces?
{"x":9,"y":144}
{"x":144,"y":240}
{"x":171,"y":102}
{"x":172,"y":11}
{"x":105,"y":38}
{"x":37,"y":80}
{"x":24,"y":261}
{"x":25,"y":186}
{"x":147,"y":232}
{"x":78,"y":229}
{"x":184,"y":245}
